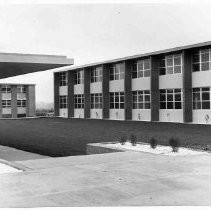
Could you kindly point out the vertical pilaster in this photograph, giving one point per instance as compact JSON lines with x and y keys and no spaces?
{"x":56,"y":93}
{"x":155,"y":105}
{"x":105,"y":90}
{"x":0,"y":103}
{"x":70,"y":94}
{"x":187,"y":86}
{"x":87,"y":77}
{"x":30,"y":101}
{"x":14,"y":101}
{"x":128,"y":90}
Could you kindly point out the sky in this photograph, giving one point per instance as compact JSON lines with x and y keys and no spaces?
{"x":97,"y":32}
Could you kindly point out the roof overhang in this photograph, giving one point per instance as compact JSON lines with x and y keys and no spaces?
{"x":13,"y":64}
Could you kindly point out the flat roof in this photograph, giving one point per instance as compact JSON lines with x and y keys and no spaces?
{"x":192,"y":46}
{"x":16,"y":84}
{"x":13,"y":64}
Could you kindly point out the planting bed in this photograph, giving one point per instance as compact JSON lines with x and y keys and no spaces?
{"x":163,"y":150}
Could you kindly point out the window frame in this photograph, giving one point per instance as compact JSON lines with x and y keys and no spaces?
{"x":165,"y":67}
{"x":96,"y":101}
{"x":170,"y":101}
{"x":200,"y":63}
{"x":21,"y":89}
{"x":79,"y":77}
{"x":8,"y":89}
{"x":141,"y":72}
{"x":116,"y":72}
{"x":201,"y":102}
{"x":63,"y":79}
{"x":63,"y":102}
{"x":141,"y":104}
{"x":116,"y":100}
{"x":6,"y":103}
{"x":79,"y":101}
{"x":21,"y":103}
{"x":96,"y":74}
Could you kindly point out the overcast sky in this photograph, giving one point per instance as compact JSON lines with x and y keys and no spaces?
{"x":92,"y":32}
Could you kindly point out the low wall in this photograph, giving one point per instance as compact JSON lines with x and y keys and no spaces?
{"x":98,"y":148}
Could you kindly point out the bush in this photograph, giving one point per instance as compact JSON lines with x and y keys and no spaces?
{"x":123,"y":140}
{"x":153,"y":143}
{"x":174,"y":143}
{"x":133,"y":140}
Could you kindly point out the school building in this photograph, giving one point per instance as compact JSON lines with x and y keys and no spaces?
{"x":18,"y":100}
{"x":172,"y":85}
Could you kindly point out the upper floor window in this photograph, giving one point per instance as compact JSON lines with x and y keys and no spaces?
{"x":117,"y":100}
{"x":201,"y":98}
{"x":21,"y":103}
{"x":79,"y":77}
{"x":141,"y":69}
{"x":6,"y":103}
{"x":171,"y":64}
{"x":96,"y":74}
{"x":141,"y":99}
{"x":79,"y":101}
{"x":170,"y":99}
{"x":117,"y":72}
{"x":21,"y":89}
{"x":62,"y":102}
{"x":63,"y":79}
{"x":96,"y":101}
{"x":6,"y":89}
{"x":202,"y":60}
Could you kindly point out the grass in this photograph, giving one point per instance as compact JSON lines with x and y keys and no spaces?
{"x":63,"y":137}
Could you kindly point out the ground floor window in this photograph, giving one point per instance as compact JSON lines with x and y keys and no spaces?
{"x":21,"y":103}
{"x":170,"y":99}
{"x":79,"y":101}
{"x":117,"y":100}
{"x":96,"y":101}
{"x":62,"y":102}
{"x":6,"y":103}
{"x":141,"y":99}
{"x":201,"y":98}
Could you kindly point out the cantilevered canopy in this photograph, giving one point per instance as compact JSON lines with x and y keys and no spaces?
{"x":13,"y":64}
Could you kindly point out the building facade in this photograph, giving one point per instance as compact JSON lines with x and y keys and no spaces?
{"x":17,"y":100}
{"x":172,"y":85}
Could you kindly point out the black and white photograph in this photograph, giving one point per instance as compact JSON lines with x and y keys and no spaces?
{"x":105,"y":103}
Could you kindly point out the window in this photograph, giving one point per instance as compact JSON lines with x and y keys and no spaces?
{"x":117,"y":72}
{"x":96,"y":74}
{"x":171,"y":64}
{"x":141,"y":99}
{"x":21,"y":103}
{"x":6,"y":103}
{"x":21,"y":89}
{"x":202,"y":60}
{"x":170,"y":99}
{"x":63,"y":79}
{"x":79,"y":101}
{"x":79,"y":77}
{"x":201,"y":98}
{"x":141,"y":69}
{"x":96,"y":101}
{"x":6,"y":89}
{"x":62,"y":102}
{"x":117,"y":100}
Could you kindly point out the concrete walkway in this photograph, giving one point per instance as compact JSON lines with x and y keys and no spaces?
{"x":12,"y":154}
{"x":115,"y":179}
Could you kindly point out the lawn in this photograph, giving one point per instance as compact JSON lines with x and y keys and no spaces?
{"x":62,"y":137}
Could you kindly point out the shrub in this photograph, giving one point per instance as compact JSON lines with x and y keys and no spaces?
{"x":174,"y":143}
{"x":133,"y":140}
{"x":153,"y":143}
{"x":123,"y":140}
